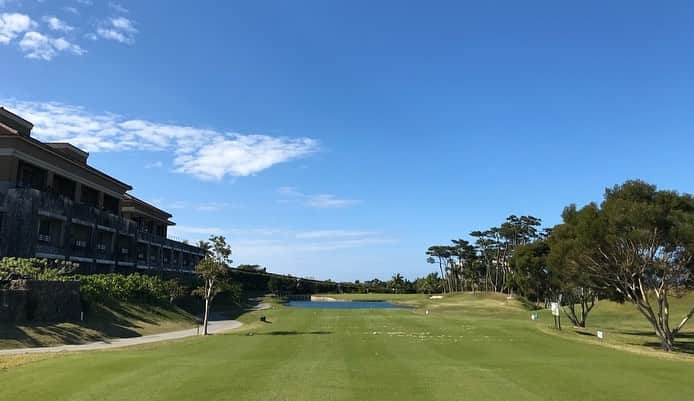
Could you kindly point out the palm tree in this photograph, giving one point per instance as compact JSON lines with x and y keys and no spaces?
{"x":397,"y":282}
{"x":206,"y":247}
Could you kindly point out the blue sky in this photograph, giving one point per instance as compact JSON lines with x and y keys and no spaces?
{"x":341,"y":139}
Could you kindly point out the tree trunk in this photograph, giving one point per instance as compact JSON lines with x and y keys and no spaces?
{"x":207,"y":312}
{"x":443,"y":277}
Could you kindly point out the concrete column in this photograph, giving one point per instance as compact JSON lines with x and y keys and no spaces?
{"x":78,"y":192}
{"x":92,"y":242}
{"x":115,"y":252}
{"x":63,"y":227}
{"x":13,"y":173}
{"x":49,"y":180}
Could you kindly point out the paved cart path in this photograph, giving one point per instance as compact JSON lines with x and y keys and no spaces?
{"x":214,"y":327}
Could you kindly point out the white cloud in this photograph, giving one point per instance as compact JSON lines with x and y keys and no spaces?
{"x":117,"y":7}
{"x":203,"y":153}
{"x":212,"y":207}
{"x":204,"y":232}
{"x":177,"y":205}
{"x":264,"y":242}
{"x":56,"y":24}
{"x":242,"y":155}
{"x":119,"y":29}
{"x":200,"y":207}
{"x":335,"y":234}
{"x":156,"y":164}
{"x":321,"y":201}
{"x":71,"y":10}
{"x":12,"y":25}
{"x":39,"y":46}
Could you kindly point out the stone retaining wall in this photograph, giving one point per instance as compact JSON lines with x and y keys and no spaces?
{"x":41,"y":301}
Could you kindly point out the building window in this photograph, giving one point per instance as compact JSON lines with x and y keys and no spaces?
{"x":29,"y":176}
{"x":45,"y":231}
{"x":63,"y":186}
{"x":90,"y":196}
{"x":111,"y":204}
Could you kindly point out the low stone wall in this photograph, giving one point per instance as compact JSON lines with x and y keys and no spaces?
{"x":41,"y":301}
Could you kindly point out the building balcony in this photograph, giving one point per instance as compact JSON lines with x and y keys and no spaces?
{"x":81,"y":249}
{"x":43,"y":249}
{"x":83,"y":221}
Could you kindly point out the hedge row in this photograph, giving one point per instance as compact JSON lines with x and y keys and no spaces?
{"x":133,"y":287}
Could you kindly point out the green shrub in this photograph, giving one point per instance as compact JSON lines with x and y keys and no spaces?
{"x":35,"y":269}
{"x":133,"y":287}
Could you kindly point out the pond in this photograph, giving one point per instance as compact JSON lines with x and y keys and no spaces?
{"x":344,"y":305}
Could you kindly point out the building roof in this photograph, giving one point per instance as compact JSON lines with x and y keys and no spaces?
{"x":65,"y":151}
{"x":16,"y":122}
{"x":137,"y":205}
{"x":70,"y":151}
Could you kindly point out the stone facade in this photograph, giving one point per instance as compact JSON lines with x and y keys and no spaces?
{"x":41,"y":301}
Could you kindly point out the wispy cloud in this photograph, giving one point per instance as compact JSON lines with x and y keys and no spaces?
{"x":265,"y":241}
{"x":336,"y":234}
{"x":321,"y":201}
{"x":117,"y":7}
{"x":118,"y":29}
{"x":212,"y":207}
{"x":199,"y":232}
{"x":156,"y":164}
{"x":203,"y":153}
{"x":71,"y":10}
{"x":38,"y":46}
{"x":200,"y":207}
{"x":56,"y":24}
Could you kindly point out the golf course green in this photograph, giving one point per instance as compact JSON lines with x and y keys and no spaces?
{"x":469,"y":347}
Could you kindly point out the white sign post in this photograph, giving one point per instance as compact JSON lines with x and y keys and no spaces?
{"x":555,"y":308}
{"x":556,"y":314}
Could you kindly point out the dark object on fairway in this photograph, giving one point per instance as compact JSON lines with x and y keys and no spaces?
{"x":263,"y":318}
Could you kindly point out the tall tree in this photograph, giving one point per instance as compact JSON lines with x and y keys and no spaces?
{"x":441,"y":254}
{"x":570,"y":244}
{"x":397,"y":283}
{"x":532,"y":277}
{"x":205,"y":246}
{"x":645,"y":250}
{"x":216,"y":278}
{"x":429,"y":284}
{"x":221,"y":251}
{"x":465,"y":256}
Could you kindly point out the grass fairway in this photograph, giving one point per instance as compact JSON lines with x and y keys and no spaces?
{"x":469,"y":348}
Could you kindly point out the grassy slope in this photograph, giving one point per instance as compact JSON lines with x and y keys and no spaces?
{"x":469,"y":348}
{"x":625,"y":328}
{"x":123,"y":320}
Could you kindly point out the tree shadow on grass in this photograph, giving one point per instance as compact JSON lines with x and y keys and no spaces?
{"x":101,"y":323}
{"x":684,"y":342}
{"x":585,"y":333}
{"x":224,"y":308}
{"x":682,"y":347}
{"x":293,"y":333}
{"x":17,"y":334}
